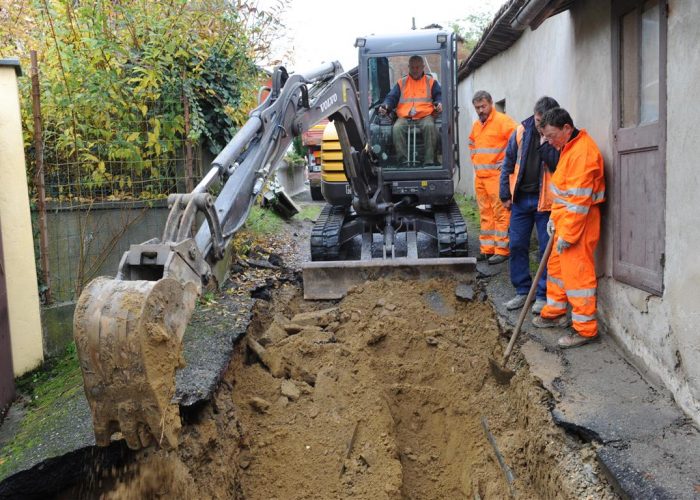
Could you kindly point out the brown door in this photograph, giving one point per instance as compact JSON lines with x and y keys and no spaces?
{"x":639,"y":183}
{"x":7,"y":381}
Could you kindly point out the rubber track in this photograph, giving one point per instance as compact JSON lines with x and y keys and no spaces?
{"x":451,"y":231}
{"x":325,"y":235}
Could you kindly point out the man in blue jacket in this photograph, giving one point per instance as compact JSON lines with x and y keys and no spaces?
{"x":524,"y":189}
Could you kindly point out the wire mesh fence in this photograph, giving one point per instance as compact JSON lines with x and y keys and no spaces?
{"x":108,"y":192}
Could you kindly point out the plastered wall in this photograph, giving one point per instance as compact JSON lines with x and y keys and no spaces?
{"x":22,"y":290}
{"x":569,"y":57}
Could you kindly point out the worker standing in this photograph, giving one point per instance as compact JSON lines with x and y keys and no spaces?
{"x":578,"y":186}
{"x":487,"y":146}
{"x":524,"y":190}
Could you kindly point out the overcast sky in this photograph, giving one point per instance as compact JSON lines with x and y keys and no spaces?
{"x":321,"y":31}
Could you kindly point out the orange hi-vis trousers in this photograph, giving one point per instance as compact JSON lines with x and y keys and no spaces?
{"x":495,"y":219}
{"x":571,"y":279}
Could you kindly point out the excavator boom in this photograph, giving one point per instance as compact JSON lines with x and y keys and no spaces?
{"x":129,"y":329}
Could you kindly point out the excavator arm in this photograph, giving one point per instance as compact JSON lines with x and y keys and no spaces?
{"x":129,"y":329}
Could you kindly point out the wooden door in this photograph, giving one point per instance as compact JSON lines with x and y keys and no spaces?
{"x":639,"y":102}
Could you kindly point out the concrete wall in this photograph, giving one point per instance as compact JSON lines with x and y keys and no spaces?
{"x":105,"y":231}
{"x":108,"y":230}
{"x":569,"y":58}
{"x":18,"y":245}
{"x":662,"y":332}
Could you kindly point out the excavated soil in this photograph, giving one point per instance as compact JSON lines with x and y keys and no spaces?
{"x":382,"y":395}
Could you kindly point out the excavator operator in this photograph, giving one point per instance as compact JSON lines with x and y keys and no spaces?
{"x":416,"y":97}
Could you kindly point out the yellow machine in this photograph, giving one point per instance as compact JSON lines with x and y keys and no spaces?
{"x":334,"y":183}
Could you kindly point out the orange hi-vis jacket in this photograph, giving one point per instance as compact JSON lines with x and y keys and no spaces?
{"x":416,"y":95}
{"x":488,"y":142}
{"x":577,"y":184}
{"x":487,"y":145}
{"x":544,"y":204}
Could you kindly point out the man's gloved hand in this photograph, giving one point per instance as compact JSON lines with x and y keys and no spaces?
{"x":382,"y":109}
{"x":550,"y":227}
{"x":562,"y":245}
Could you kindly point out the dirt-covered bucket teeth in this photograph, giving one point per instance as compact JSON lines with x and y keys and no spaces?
{"x":129,"y":336}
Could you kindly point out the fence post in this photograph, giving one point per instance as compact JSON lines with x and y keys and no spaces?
{"x":189,"y":183}
{"x":39,"y":177}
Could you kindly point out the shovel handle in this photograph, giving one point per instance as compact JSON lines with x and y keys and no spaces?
{"x":528,"y":300}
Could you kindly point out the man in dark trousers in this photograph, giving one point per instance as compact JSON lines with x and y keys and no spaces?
{"x":525,"y":191}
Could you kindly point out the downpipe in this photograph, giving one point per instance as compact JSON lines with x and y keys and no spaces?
{"x":527,"y":14}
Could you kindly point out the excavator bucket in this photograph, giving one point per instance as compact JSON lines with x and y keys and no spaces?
{"x":332,"y":279}
{"x":128,"y":335}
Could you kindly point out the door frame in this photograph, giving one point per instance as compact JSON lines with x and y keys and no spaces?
{"x":638,"y":138}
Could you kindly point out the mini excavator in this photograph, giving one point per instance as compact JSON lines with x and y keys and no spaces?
{"x":386,"y":215}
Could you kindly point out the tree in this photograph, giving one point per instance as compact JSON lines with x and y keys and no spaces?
{"x":472,"y":26}
{"x":115,"y":76}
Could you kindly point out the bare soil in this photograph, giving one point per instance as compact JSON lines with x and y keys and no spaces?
{"x":402,"y":367}
{"x":380,"y":395}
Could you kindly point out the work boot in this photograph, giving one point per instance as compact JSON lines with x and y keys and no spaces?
{"x":484,"y":256}
{"x":574,"y":340}
{"x":516,"y":302}
{"x":539,"y":305}
{"x":497,"y":259}
{"x":562,"y":321}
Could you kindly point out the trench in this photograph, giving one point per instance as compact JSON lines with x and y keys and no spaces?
{"x":380,"y":395}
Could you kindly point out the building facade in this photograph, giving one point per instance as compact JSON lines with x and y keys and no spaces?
{"x":626,"y":70}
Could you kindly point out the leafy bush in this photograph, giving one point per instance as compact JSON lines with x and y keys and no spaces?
{"x":115,"y":76}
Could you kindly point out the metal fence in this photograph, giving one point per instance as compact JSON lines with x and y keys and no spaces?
{"x":87,"y":212}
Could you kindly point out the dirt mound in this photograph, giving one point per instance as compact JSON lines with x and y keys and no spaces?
{"x":382,"y":396}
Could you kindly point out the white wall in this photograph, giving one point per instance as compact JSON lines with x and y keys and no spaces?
{"x":668,"y":336}
{"x":520,"y":75}
{"x":569,"y":58}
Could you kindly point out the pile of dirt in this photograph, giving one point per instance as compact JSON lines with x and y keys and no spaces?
{"x":384,"y":396}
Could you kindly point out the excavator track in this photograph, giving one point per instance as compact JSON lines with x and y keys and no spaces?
{"x":129,"y":335}
{"x":451,"y":231}
{"x":325,"y":235}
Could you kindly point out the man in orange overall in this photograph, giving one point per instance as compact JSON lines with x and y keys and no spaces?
{"x":578,"y":186}
{"x":487,"y":145}
{"x":415,"y":97}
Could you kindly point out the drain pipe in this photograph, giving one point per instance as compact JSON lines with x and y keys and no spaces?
{"x":527,"y":14}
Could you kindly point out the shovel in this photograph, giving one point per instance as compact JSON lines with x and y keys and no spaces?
{"x":499,"y":371}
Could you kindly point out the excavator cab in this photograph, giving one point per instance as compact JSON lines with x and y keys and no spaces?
{"x":414,"y":165}
{"x":398,"y":216}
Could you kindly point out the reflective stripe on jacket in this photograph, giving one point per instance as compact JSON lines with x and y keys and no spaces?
{"x":488,"y":141}
{"x":578,"y":183}
{"x":416,"y":97}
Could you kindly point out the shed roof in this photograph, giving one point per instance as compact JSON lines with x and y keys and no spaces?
{"x":499,"y":35}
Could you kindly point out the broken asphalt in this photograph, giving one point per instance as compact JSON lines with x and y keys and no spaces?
{"x":648,"y":447}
